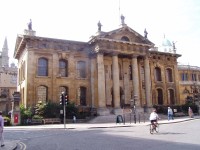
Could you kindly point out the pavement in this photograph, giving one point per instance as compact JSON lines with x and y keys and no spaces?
{"x":11,"y":145}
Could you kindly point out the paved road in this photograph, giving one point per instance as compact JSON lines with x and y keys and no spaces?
{"x":184,"y":136}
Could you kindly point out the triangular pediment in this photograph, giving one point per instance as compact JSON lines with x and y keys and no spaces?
{"x":123,"y":34}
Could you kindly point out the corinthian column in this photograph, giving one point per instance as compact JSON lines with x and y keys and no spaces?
{"x":135,"y":77}
{"x":101,"y":86}
{"x":147,"y":82}
{"x":92,"y":80}
{"x":116,"y":92}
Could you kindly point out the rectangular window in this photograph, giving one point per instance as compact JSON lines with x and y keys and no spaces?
{"x":194,"y":77}
{"x":184,"y":77}
{"x":81,"y":69}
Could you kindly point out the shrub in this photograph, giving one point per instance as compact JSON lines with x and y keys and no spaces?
{"x":26,"y":113}
{"x":8,"y":121}
{"x":192,"y":105}
{"x":37,"y":117}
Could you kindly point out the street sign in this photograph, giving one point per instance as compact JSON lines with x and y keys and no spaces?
{"x":16,"y":96}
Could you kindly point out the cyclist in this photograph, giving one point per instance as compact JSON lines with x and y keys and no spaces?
{"x":154,"y":118}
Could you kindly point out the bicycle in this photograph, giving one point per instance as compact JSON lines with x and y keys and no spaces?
{"x":154,"y":127}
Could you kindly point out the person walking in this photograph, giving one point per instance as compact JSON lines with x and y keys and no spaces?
{"x":170,"y":114}
{"x":190,"y":112}
{"x":1,"y":129}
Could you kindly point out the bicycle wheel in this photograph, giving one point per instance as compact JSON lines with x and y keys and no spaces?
{"x":157,"y":128}
{"x":151,"y":129}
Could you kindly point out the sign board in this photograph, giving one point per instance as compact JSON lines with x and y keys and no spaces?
{"x":16,"y":96}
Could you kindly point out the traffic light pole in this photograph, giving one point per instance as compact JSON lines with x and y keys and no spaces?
{"x":64,"y":108}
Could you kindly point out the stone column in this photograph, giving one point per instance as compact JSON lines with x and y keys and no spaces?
{"x":116,"y":85}
{"x":135,"y":76}
{"x":92,"y":69}
{"x":147,"y":82}
{"x":101,"y":86}
{"x":176,"y":79}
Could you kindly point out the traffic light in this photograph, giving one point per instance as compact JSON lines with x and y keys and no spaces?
{"x":66,"y":99}
{"x":62,"y":99}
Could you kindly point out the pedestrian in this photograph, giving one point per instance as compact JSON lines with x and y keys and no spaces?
{"x":1,"y":129}
{"x":74,"y":119}
{"x":170,"y":114}
{"x":190,"y":112}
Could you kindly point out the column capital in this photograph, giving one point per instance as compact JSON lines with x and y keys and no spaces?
{"x":146,"y":56}
{"x":115,"y":53}
{"x":134,"y":56}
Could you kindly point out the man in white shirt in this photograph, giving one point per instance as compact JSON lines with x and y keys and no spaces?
{"x":1,"y":129}
{"x":153,"y":117}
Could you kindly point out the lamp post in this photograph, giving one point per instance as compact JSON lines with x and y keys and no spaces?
{"x":196,"y":96}
{"x":134,"y":107}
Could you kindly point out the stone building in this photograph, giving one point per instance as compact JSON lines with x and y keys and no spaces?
{"x":8,"y":79}
{"x":107,"y":73}
{"x":189,"y":77}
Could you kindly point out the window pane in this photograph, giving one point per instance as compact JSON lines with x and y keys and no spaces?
{"x":63,"y":67}
{"x":81,"y":69}
{"x":42,"y":67}
{"x":42,"y":94}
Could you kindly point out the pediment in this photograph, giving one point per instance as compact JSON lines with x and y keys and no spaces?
{"x":124,"y":34}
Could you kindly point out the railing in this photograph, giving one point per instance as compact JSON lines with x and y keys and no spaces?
{"x":128,"y":116}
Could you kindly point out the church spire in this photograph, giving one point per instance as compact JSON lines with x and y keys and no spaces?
{"x":5,"y":45}
{"x":5,"y":58}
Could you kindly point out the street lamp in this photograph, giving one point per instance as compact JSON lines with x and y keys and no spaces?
{"x":133,"y":106}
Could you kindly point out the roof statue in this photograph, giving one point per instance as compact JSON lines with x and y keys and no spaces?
{"x":174,"y":46}
{"x":122,"y":20}
{"x":30,"y":25}
{"x":145,"y":33}
{"x":99,"y":26}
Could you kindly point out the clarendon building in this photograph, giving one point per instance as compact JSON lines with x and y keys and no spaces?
{"x":107,"y":73}
{"x":8,"y":79}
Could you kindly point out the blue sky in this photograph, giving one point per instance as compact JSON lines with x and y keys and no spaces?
{"x":77,"y":20}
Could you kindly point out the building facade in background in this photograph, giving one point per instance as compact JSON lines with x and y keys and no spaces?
{"x":8,"y":79}
{"x":189,"y":83}
{"x":107,"y":73}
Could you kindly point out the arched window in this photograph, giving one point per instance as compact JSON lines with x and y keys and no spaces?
{"x":158,"y":74}
{"x":125,"y":38}
{"x":42,"y":94}
{"x":160,"y":96}
{"x":171,"y":97}
{"x":169,"y":75}
{"x":81,"y":69}
{"x":42,"y":67}
{"x":83,"y":92}
{"x":63,"y":68}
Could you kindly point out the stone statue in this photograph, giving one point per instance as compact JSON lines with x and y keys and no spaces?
{"x":30,"y":25}
{"x":122,"y":19}
{"x":99,"y":26}
{"x":173,"y":44}
{"x":145,"y":33}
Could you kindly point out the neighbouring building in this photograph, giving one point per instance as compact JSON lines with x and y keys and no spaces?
{"x":189,"y":83}
{"x":107,"y":73}
{"x":8,"y":79}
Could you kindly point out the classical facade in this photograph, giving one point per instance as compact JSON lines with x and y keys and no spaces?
{"x":107,"y":72}
{"x":189,"y":81}
{"x":8,"y":79}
